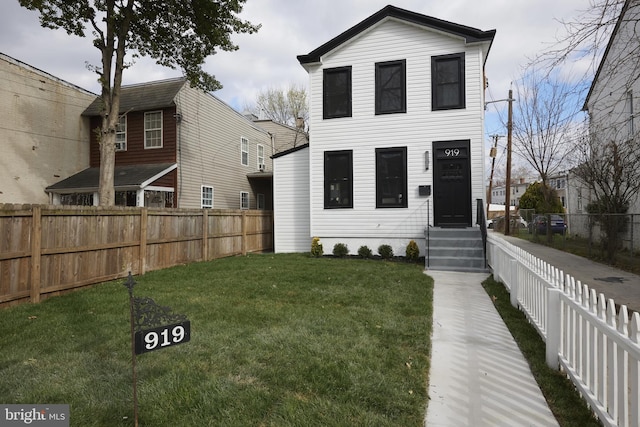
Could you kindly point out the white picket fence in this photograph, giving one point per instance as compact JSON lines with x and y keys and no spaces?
{"x":597,"y":347}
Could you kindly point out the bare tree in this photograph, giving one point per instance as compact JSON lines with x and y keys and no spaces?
{"x":286,"y":105}
{"x":583,"y":40}
{"x":604,"y":39}
{"x":543,"y":122}
{"x":610,"y":170}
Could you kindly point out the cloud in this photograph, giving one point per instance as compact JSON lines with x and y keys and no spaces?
{"x":268,"y":58}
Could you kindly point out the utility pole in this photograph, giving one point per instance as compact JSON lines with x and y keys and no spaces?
{"x":492,"y":154}
{"x":507,"y":199}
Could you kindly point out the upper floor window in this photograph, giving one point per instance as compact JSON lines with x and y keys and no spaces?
{"x":207,"y":197}
{"x":391,"y":87}
{"x":336,"y":94}
{"x":244,"y":151}
{"x":447,"y":82}
{"x":153,"y":129}
{"x":391,"y":177}
{"x":121,"y":133}
{"x":244,"y":200}
{"x":338,"y":179}
{"x":260,"y":157}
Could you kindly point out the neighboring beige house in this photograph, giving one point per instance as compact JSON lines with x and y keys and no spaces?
{"x":284,"y":137}
{"x":177,"y":147}
{"x":44,"y":136}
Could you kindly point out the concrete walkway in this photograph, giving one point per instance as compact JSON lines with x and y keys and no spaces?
{"x":478,"y":376}
{"x":623,"y":287}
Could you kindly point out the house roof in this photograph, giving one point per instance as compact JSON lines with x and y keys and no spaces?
{"x":125,"y":177}
{"x":144,"y":96}
{"x":291,"y":150}
{"x":625,"y":7}
{"x":471,"y":35}
{"x":33,"y":69}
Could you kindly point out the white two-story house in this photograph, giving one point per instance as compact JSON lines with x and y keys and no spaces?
{"x":396,"y":136}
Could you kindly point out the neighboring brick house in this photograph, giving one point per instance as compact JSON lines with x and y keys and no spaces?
{"x":177,"y":146}
{"x":397,"y":135}
{"x":43,"y":135}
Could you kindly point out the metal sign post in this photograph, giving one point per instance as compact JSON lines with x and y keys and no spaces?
{"x":153,"y":327}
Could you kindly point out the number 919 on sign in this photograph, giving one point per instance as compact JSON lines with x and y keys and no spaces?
{"x":162,"y":337}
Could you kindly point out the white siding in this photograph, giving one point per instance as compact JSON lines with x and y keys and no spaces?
{"x":43,"y":135}
{"x":291,"y":202}
{"x":209,"y":150}
{"x":608,"y":103}
{"x":416,"y":129}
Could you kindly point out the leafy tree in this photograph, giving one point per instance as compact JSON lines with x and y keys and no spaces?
{"x":542,"y":198}
{"x":176,"y":33}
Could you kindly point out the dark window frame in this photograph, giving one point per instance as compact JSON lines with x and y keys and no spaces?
{"x":383,"y":198}
{"x":436,"y":82}
{"x":381,"y":87}
{"x":332,"y":178}
{"x":331,"y":97}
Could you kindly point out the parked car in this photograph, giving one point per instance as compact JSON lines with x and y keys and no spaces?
{"x":499,"y":222}
{"x":539,"y":224}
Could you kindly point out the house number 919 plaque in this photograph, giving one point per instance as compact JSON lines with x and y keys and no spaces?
{"x":163,"y":336}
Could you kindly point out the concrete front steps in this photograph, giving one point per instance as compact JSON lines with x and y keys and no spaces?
{"x":455,"y":249}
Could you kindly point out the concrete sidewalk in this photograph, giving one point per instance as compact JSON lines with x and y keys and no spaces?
{"x":478,"y":376}
{"x":623,"y":287}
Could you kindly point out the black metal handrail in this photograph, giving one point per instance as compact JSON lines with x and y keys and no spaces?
{"x":482,"y":222}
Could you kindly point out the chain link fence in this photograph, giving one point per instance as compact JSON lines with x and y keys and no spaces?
{"x":606,"y":236}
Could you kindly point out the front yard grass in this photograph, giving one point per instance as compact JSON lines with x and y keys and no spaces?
{"x":276,"y":340}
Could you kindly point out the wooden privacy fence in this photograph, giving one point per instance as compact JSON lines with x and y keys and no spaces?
{"x":45,"y":250}
{"x":597,"y":347}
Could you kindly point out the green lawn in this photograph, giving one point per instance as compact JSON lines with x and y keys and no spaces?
{"x":276,"y":340}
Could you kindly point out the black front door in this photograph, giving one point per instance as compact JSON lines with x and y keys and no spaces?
{"x":452,"y":184}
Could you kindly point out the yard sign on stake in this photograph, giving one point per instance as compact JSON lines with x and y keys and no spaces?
{"x":152,"y":327}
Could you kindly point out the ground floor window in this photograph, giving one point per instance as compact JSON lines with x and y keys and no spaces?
{"x":158,"y":199}
{"x":260,"y":201}
{"x":338,"y":179}
{"x":391,"y":177}
{"x":126,"y":198}
{"x":207,"y":197}
{"x":244,"y":200}
{"x":77,"y":199}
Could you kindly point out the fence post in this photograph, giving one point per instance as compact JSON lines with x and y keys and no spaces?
{"x":553,"y":327}
{"x":205,"y":234}
{"x":144,"y":220}
{"x":244,"y":232}
{"x":513,"y":273}
{"x":36,"y":252}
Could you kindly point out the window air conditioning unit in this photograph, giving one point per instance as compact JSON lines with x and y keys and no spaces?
{"x":261,"y":167}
